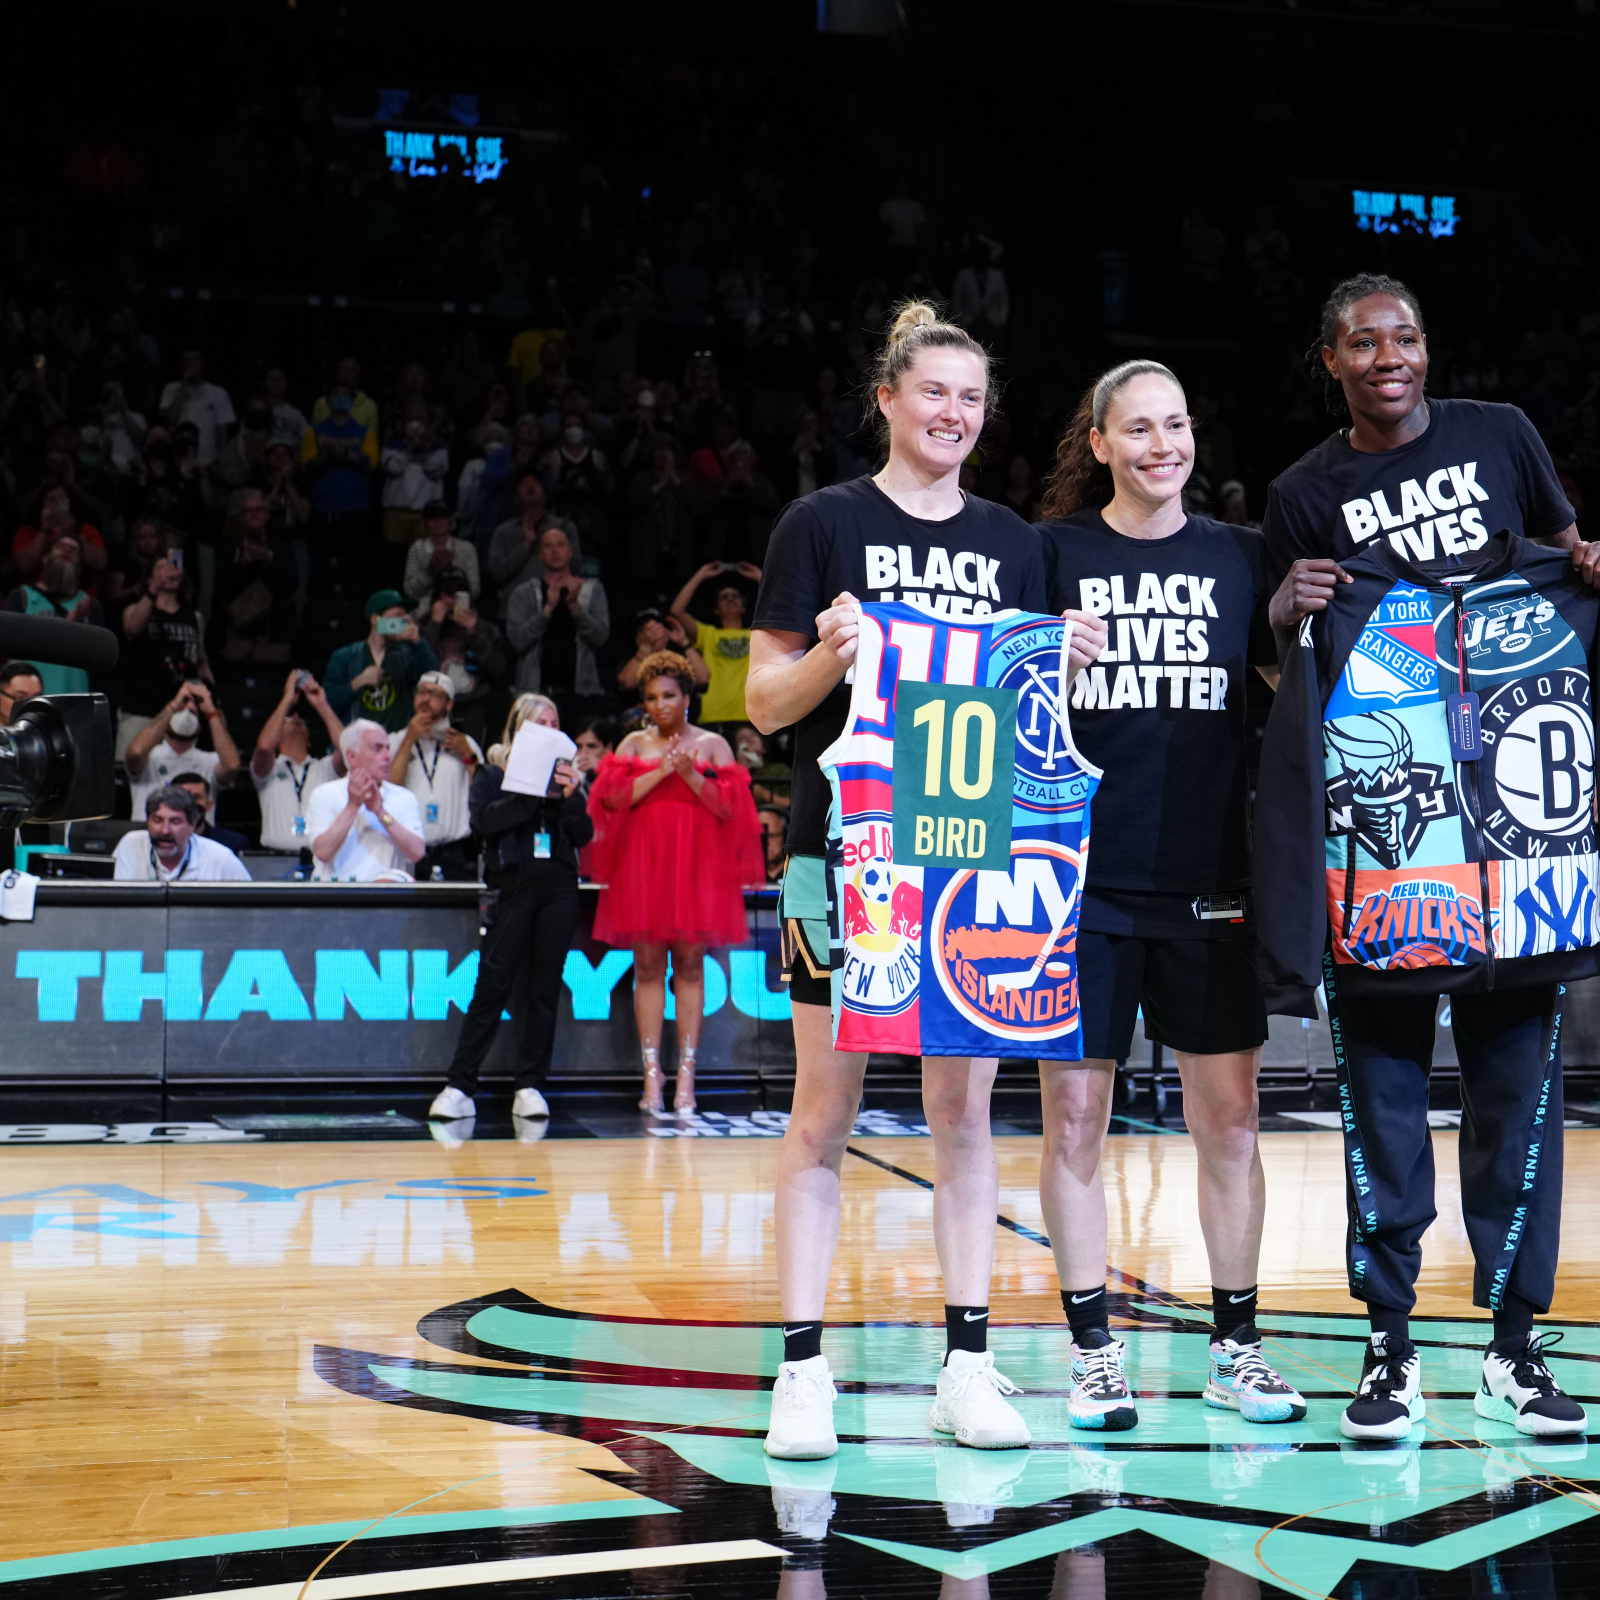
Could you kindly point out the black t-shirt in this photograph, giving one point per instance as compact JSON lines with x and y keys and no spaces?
{"x":852,"y":536}
{"x":160,"y":659}
{"x":1162,"y":711}
{"x":558,"y":652}
{"x":1476,"y":468}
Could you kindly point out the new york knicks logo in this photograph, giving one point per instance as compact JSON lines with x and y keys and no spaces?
{"x":1048,"y":778}
{"x":881,"y":905}
{"x":1002,"y":942}
{"x":1416,"y":923}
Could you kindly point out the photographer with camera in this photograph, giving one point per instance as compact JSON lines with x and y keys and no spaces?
{"x":375,"y":677}
{"x":165,"y":644}
{"x":282,"y":767}
{"x":171,"y":849}
{"x":436,"y":762}
{"x":19,"y":681}
{"x":167,"y":746}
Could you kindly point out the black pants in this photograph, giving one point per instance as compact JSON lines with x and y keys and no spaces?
{"x":1509,"y":1045}
{"x":521,"y":961}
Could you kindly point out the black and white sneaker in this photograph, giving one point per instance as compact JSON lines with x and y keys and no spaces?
{"x":1519,"y":1388}
{"x":1389,"y":1398}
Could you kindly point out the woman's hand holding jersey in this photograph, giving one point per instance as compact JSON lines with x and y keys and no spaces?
{"x":1089,"y":635}
{"x":838,"y":627}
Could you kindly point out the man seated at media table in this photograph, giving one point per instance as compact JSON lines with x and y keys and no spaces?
{"x":364,"y":829}
{"x":171,"y":851}
{"x":198,"y":787}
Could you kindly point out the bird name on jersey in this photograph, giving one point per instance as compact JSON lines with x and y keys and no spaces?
{"x":965,"y":581}
{"x":1437,"y":516}
{"x":1157,"y":642}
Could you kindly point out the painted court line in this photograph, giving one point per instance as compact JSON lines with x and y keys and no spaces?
{"x":477,"y":1572}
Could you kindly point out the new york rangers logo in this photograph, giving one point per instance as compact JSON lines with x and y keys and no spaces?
{"x":1001,"y":943}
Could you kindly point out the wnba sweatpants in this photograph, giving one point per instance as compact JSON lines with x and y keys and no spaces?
{"x":1508,"y":1043}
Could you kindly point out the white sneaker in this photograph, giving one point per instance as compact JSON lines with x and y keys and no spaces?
{"x":1242,"y":1381}
{"x":801,"y":1428}
{"x":529,"y":1130}
{"x":972,"y":1483}
{"x":452,"y":1135}
{"x":1389,"y":1398}
{"x":530,"y":1103}
{"x":1520,"y":1389}
{"x":967,"y":1402}
{"x":450,"y":1105}
{"x":803,"y":1513}
{"x":1100,"y":1397}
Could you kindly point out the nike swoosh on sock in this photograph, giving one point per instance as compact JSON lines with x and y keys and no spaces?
{"x":1078,"y":1299}
{"x":1234,"y":1299}
{"x":969,"y":1317}
{"x":804,"y":1327}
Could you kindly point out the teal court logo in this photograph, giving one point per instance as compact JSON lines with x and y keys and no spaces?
{"x":684,"y":1405}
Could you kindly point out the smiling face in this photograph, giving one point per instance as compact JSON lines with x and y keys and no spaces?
{"x":936,"y":413}
{"x":1380,"y":361}
{"x":1147,"y":441}
{"x":666,"y":704}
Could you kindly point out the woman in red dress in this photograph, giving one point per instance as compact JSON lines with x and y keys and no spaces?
{"x":676,"y":839}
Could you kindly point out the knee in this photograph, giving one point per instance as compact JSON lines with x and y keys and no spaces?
{"x":1225,"y":1132}
{"x":689,"y":967}
{"x":819,"y":1130}
{"x":1075,"y":1123}
{"x":651,"y":968}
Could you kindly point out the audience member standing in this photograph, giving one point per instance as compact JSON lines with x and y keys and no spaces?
{"x":58,"y":592}
{"x":165,"y":646}
{"x":725,"y":646}
{"x":472,"y":652}
{"x":531,"y":845}
{"x":676,"y":840}
{"x":438,"y":550}
{"x":514,"y":549}
{"x":436,"y":762}
{"x":555,"y":621}
{"x":167,"y":745}
{"x":204,"y":406}
{"x":283,"y":769}
{"x":363,"y":828}
{"x":375,"y":676}
{"x":341,"y":453}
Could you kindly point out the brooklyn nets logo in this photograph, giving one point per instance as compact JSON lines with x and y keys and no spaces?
{"x":1537,"y":785}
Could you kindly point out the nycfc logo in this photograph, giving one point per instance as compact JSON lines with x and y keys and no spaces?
{"x":1001,"y":943}
{"x":882,"y":907}
{"x":1538,"y":788}
{"x":1047,"y":775}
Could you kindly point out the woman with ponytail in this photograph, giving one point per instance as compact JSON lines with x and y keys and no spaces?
{"x":906,"y":533}
{"x":1166,"y":923}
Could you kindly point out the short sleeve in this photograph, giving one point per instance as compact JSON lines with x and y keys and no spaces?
{"x":1285,"y":538}
{"x":1545,"y":506}
{"x":323,"y":809}
{"x":792,"y":577}
{"x":404,"y":807}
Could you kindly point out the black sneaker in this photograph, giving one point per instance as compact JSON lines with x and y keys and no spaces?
{"x":1519,"y":1388}
{"x":1389,"y":1398}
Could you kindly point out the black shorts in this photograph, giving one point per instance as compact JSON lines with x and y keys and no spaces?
{"x":809,"y":980}
{"x":1200,"y":996}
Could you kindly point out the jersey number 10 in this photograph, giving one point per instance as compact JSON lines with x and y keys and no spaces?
{"x":947,"y":805}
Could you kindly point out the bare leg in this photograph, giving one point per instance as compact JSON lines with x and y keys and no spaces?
{"x":827,"y":1094}
{"x":649,"y":1007}
{"x":689,"y":990}
{"x":1077,"y":1110}
{"x":966,"y":1176}
{"x":1221,"y":1110}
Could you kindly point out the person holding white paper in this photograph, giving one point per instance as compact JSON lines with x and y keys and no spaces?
{"x":530,"y":854}
{"x":676,"y":841}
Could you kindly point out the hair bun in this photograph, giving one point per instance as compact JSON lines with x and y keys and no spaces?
{"x":913,"y":314}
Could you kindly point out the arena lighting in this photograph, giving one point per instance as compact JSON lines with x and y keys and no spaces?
{"x":1390,"y":211}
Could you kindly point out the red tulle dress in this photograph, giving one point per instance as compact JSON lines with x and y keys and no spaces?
{"x":675,"y":867}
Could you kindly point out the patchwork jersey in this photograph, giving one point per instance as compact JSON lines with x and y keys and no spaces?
{"x":1419,"y":868}
{"x":955,"y":933}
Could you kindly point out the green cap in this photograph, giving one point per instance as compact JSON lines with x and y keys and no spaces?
{"x":382,"y":600}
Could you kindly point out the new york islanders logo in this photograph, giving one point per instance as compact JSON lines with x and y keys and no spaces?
{"x":1001,"y":943}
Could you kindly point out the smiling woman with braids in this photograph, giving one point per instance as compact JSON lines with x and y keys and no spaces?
{"x":1437,"y":479}
{"x":676,"y":840}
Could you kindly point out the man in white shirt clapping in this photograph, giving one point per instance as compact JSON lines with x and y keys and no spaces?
{"x":436,"y":763}
{"x":170,"y":851}
{"x":364,"y":830}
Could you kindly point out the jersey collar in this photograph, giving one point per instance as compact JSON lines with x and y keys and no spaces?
{"x":1499,"y":556}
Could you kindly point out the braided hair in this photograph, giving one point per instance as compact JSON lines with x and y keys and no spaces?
{"x":1078,"y":479}
{"x":1335,"y":311}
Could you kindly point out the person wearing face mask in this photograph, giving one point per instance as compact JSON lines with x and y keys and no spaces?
{"x":171,"y":849}
{"x":531,"y":845}
{"x":58,"y":591}
{"x":1167,"y":922}
{"x":577,"y":478}
{"x":167,"y":745}
{"x":436,"y":762}
{"x":165,"y":645}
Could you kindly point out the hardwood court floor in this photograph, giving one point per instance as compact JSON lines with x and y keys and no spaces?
{"x":204,"y":1349}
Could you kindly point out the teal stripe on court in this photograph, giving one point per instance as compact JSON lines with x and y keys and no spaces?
{"x":221,"y":1544}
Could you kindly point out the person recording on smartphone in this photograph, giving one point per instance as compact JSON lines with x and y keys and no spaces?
{"x":283,"y":769}
{"x":435,"y":762}
{"x":376,"y":677}
{"x":725,"y":644}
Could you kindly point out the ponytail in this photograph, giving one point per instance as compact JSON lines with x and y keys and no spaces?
{"x":917,"y":326}
{"x":1078,"y":479}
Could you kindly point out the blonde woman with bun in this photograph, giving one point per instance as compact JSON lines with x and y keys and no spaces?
{"x":907,"y":533}
{"x":530,"y":859}
{"x":676,"y":841}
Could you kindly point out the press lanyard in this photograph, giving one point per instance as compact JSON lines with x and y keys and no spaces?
{"x":300,"y":782}
{"x":438,"y":756}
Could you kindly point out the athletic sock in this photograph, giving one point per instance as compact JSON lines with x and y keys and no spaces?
{"x":802,"y":1341}
{"x":1087,"y":1312}
{"x":1233,"y":1312}
{"x":1513,"y":1322}
{"x":966,"y":1328}
{"x":1386,"y":1319}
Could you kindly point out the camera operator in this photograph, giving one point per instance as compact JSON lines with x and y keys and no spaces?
{"x":157,"y":753}
{"x":282,"y":769}
{"x":436,"y":762}
{"x":172,"y":850}
{"x":19,"y":681}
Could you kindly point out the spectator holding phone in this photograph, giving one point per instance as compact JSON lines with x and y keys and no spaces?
{"x":168,"y":745}
{"x":725,"y":645}
{"x":282,"y":767}
{"x":472,"y":652}
{"x":653,"y":633}
{"x":435,"y":762}
{"x":165,"y":646}
{"x":376,"y":676}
